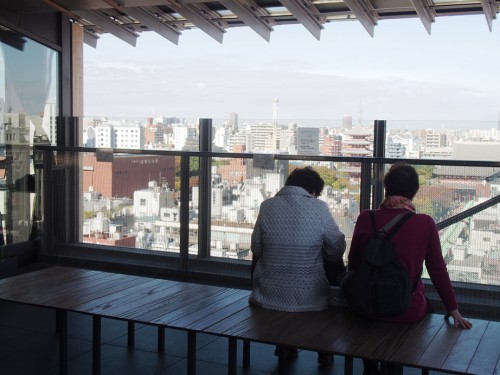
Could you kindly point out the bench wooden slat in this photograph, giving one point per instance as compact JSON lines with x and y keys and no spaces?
{"x":121,"y":296}
{"x":486,"y":359}
{"x":223,"y":326}
{"x":113,"y":291}
{"x":281,"y":327}
{"x":418,"y":340}
{"x":463,"y":351}
{"x":42,"y":291}
{"x":183,"y":304}
{"x":43,"y":274}
{"x":218,"y":316}
{"x":439,"y":348}
{"x":73,"y":292}
{"x":249,"y":321}
{"x":199,"y":310}
{"x":381,"y":340}
{"x":316,"y":335}
{"x":150,"y":307}
{"x":348,"y":338}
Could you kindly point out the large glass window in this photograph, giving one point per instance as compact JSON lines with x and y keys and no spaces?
{"x":29,"y":107}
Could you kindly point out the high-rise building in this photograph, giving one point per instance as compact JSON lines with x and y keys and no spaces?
{"x":231,"y":122}
{"x":347,"y":121}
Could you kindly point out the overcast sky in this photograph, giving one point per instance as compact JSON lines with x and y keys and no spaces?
{"x":401,"y":74}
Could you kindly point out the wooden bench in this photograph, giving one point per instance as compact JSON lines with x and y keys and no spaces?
{"x":432,"y":344}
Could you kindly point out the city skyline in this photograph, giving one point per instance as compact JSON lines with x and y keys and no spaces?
{"x":400,"y":74}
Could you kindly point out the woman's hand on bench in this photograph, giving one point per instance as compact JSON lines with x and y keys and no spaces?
{"x":459,"y":322}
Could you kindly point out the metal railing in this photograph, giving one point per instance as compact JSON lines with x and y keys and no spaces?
{"x":58,"y":166}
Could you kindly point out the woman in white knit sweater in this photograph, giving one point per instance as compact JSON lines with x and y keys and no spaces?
{"x":293,"y":235}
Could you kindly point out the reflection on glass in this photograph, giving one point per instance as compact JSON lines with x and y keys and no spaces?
{"x":28,"y":112}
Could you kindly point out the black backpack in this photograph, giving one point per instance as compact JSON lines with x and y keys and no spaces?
{"x":380,"y":286}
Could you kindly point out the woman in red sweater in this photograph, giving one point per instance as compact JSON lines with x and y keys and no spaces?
{"x":416,"y":242}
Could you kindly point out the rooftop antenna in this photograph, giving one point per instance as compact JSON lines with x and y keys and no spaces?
{"x":275,"y":123}
{"x":360,"y":114}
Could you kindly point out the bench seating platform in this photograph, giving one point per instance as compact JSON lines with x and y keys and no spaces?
{"x":431,"y":344}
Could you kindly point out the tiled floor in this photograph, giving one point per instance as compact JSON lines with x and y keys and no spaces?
{"x":29,"y":346}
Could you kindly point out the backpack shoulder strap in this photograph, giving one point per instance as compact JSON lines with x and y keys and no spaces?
{"x":395,"y":223}
{"x":403,"y":218}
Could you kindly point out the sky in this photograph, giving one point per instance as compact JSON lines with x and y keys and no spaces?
{"x":402,"y":73}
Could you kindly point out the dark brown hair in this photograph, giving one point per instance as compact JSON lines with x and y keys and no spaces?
{"x":306,"y":178}
{"x":402,"y":179}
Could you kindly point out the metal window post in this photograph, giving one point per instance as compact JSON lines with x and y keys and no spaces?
{"x":205,"y":204}
{"x":379,"y":127}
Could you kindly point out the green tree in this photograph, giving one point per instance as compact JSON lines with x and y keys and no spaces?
{"x":424,"y":173}
{"x":328,"y":175}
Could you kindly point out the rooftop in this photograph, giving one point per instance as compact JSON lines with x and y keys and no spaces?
{"x":127,"y":19}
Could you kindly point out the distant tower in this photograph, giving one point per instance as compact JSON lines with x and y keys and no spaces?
{"x":275,"y":112}
{"x":275,"y":125}
{"x":360,"y":117}
{"x":347,"y":121}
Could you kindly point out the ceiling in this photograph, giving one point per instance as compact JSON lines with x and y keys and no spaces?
{"x":127,"y":19}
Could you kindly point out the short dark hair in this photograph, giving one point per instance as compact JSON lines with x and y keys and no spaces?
{"x":306,"y":178}
{"x":401,"y":179}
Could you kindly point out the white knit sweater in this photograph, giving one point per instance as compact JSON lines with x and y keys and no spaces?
{"x":293,"y":232}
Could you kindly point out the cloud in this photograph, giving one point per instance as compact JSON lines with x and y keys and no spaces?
{"x":202,"y":89}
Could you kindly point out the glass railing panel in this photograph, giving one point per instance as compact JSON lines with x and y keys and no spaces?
{"x":463,"y":200}
{"x":130,"y":200}
{"x":240,"y":185}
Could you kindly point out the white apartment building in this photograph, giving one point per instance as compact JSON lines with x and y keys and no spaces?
{"x":435,"y":140}
{"x":217,"y":193}
{"x":119,"y":136}
{"x":239,"y":139}
{"x":221,"y":137}
{"x":149,"y":202}
{"x":262,"y":137}
{"x":287,"y":138}
{"x":395,"y":150}
{"x":180,"y":135}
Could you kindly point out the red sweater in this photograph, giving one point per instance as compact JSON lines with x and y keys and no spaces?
{"x":416,"y":242}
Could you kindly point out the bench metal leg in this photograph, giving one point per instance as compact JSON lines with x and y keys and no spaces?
{"x":281,"y":358}
{"x":191,"y":360}
{"x":425,"y":371}
{"x":62,"y":330}
{"x":246,"y":353}
{"x":130,"y":334}
{"x":161,"y":339}
{"x":348,"y":365}
{"x":96,"y":345}
{"x":232,"y":354}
